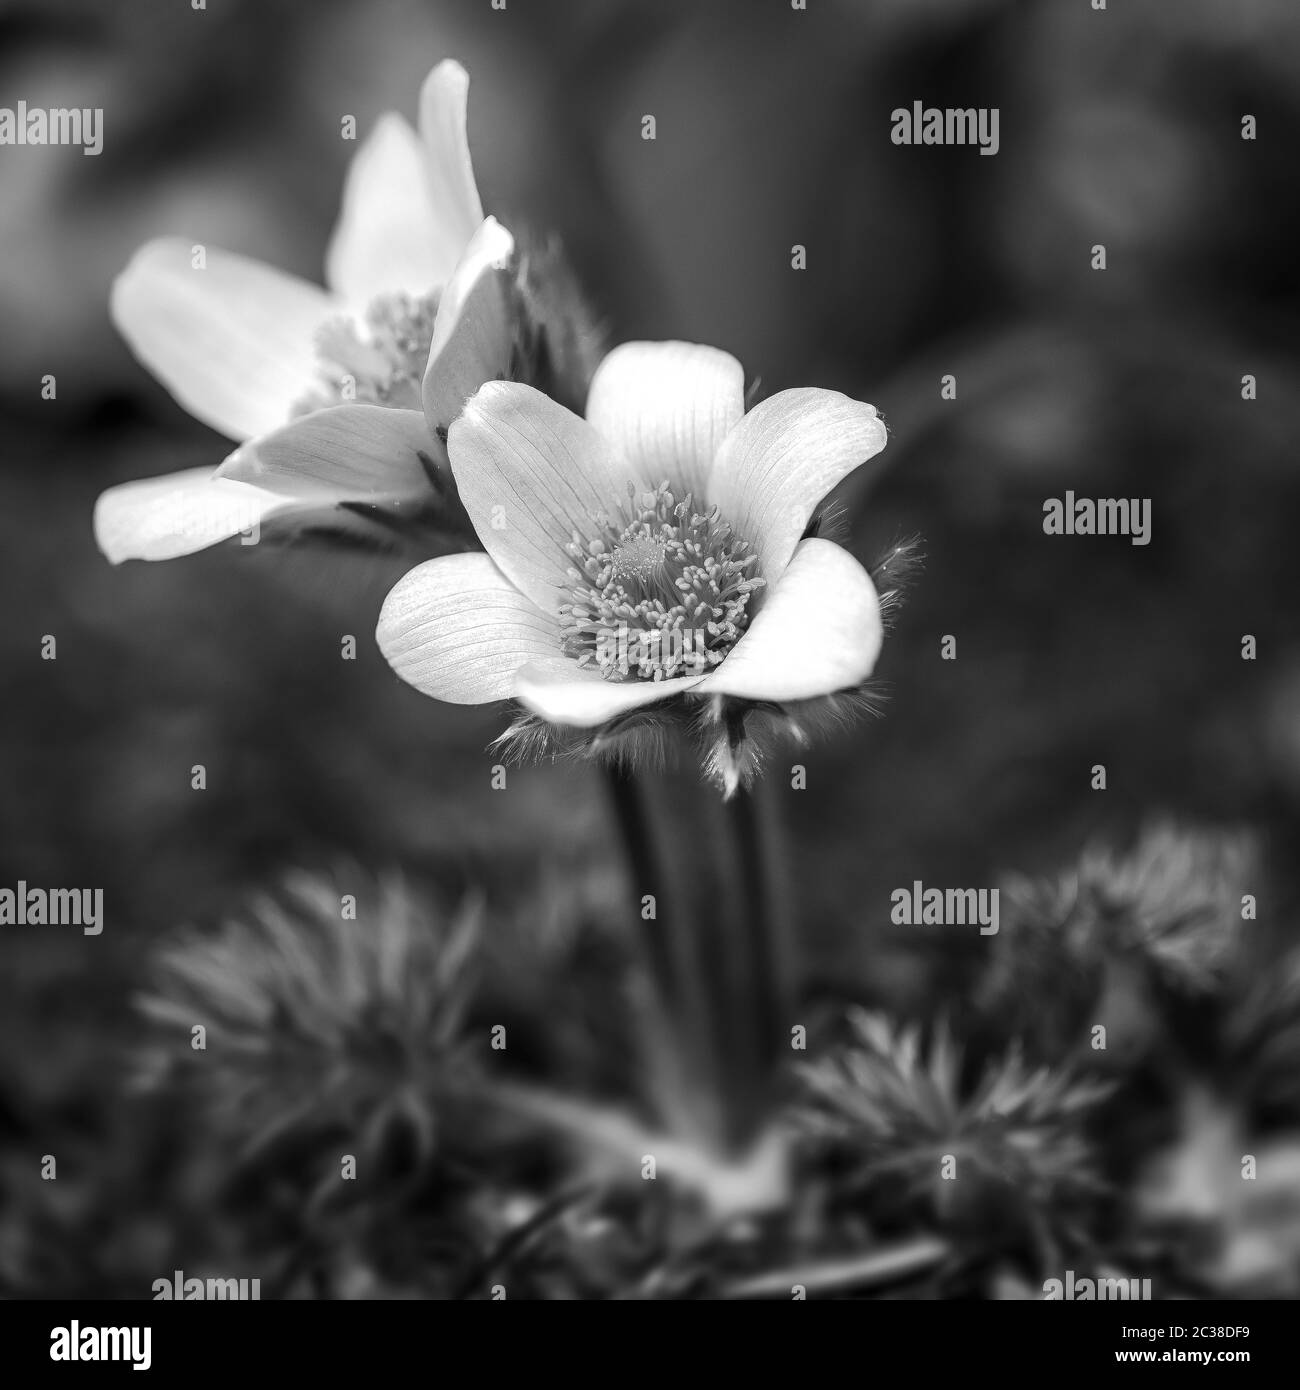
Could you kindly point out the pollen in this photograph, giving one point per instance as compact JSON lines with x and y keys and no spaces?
{"x":641,"y":559}
{"x":377,"y":360}
{"x":661,"y":590}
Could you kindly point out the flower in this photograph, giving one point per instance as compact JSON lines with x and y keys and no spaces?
{"x":656,"y":549}
{"x":340,"y":394}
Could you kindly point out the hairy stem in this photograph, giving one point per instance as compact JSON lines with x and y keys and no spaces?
{"x":718,"y":948}
{"x":768,"y":932}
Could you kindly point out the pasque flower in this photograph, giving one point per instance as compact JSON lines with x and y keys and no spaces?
{"x":654,"y":550}
{"x":336,"y":393}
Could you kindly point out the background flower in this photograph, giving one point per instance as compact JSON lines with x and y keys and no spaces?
{"x":268,"y":358}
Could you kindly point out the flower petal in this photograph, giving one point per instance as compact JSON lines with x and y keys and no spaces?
{"x":444,"y":103}
{"x":233,"y":342}
{"x":389,"y":234}
{"x":668,"y":407}
{"x":178,"y":514}
{"x":781,"y":461}
{"x":818,"y":632}
{"x":472,"y":334}
{"x":457,"y":629}
{"x":562,"y":692}
{"x":530,"y":473}
{"x":342,"y":453}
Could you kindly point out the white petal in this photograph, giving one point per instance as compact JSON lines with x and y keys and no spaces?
{"x":457,"y":629}
{"x":818,"y":632}
{"x":530,"y":473}
{"x":781,"y":461}
{"x":561,"y":692}
{"x":178,"y":514}
{"x":233,"y":342}
{"x":342,"y":453}
{"x":668,"y":407}
{"x":389,"y":235}
{"x":444,"y":101}
{"x":472,"y":333}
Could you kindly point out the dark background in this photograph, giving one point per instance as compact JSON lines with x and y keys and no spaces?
{"x":1119,"y":127}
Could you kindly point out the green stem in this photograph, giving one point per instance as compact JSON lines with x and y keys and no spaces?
{"x":719,"y":949}
{"x":644,"y":854}
{"x":674,"y":1019}
{"x":767,"y":919}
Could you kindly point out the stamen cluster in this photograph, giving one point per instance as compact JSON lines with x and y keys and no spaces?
{"x":661,"y":591}
{"x":379,"y":360}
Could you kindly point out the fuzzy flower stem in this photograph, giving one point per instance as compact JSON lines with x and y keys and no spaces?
{"x":675,"y":1021}
{"x":717,"y":948}
{"x":633,"y":814}
{"x":768,"y":937}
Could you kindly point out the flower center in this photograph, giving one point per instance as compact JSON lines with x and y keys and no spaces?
{"x":379,"y":360}
{"x":661,"y":591}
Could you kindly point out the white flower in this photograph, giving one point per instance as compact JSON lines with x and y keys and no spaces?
{"x":333,"y":393}
{"x":592,"y":547}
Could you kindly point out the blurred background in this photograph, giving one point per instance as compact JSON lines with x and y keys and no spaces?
{"x":1120,"y":127}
